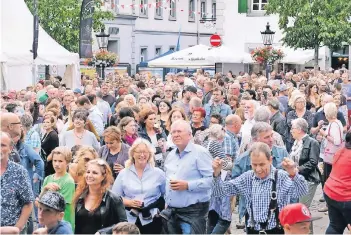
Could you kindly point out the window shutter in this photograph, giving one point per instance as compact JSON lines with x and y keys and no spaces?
{"x":242,"y":6}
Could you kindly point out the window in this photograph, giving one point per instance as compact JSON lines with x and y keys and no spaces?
{"x":143,"y":54}
{"x":158,"y":51}
{"x":113,"y":46}
{"x":259,"y":5}
{"x":173,"y":9}
{"x":203,"y":8}
{"x":158,"y":9}
{"x":143,"y":8}
{"x":192,"y":10}
{"x":214,"y":8}
{"x":172,"y":48}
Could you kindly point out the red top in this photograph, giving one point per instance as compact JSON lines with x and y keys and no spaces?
{"x":338,"y":185}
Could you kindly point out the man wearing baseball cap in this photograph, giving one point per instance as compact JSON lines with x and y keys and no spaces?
{"x":296,"y":219}
{"x":50,"y":214}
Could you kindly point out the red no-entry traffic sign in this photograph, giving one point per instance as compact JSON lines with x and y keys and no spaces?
{"x":215,"y":40}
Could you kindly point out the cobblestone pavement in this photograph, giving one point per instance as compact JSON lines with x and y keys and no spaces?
{"x":319,"y":226}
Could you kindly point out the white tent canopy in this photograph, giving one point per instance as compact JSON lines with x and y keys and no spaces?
{"x":292,"y":56}
{"x":197,"y":56}
{"x":16,"y":43}
{"x":192,"y":57}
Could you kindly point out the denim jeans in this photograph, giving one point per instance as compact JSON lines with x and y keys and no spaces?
{"x":185,"y":227}
{"x":215,"y":224}
{"x":339,"y":215}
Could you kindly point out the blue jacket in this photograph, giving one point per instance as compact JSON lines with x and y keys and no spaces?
{"x":29,"y":160}
{"x":224,"y":112}
{"x":243,"y":164}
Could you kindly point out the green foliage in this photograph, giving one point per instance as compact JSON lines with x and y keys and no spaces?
{"x":61,"y":19}
{"x":310,"y":24}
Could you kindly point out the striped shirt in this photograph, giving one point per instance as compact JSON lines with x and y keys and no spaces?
{"x":258,"y":192}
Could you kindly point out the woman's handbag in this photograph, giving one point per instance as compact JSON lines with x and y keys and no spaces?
{"x":330,"y":148}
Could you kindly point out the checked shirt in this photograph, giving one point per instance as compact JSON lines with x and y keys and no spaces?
{"x":258,"y":192}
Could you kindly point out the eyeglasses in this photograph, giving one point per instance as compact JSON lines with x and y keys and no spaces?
{"x":168,"y":90}
{"x":15,"y":123}
{"x":145,"y":153}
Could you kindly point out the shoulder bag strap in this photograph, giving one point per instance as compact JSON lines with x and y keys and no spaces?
{"x":273,"y":203}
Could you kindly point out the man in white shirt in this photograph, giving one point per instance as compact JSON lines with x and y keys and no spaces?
{"x":95,"y":116}
{"x":104,"y":107}
{"x":249,"y":113}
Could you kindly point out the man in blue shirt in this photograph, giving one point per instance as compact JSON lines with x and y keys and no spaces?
{"x":188,"y":183}
{"x":217,"y":106}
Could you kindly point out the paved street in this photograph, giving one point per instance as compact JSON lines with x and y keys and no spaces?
{"x":319,"y":226}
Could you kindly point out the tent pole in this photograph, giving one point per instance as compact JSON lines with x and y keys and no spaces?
{"x":33,"y":74}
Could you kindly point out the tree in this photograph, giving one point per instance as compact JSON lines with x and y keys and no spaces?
{"x":311,"y":24}
{"x":61,"y":20}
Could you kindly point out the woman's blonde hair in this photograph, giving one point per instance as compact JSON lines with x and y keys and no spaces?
{"x":295,"y":98}
{"x":149,"y":147}
{"x":81,"y":160}
{"x":330,"y":110}
{"x":105,"y":184}
{"x":61,"y":150}
{"x":54,"y":104}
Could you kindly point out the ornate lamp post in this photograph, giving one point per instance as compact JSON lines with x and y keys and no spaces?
{"x":267,"y":38}
{"x":102,"y":39}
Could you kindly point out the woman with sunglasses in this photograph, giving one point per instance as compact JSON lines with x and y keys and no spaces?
{"x":142,"y":186}
{"x":97,"y":209}
{"x":78,"y":167}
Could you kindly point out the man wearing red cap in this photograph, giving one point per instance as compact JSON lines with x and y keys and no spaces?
{"x":296,"y":219}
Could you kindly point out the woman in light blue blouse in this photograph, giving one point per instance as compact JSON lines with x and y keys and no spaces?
{"x":142,"y":186}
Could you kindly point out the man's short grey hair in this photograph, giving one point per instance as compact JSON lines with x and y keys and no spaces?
{"x":274,"y":103}
{"x":27,"y":121}
{"x":216,"y":132}
{"x":99,"y":94}
{"x":259,"y":127}
{"x":184,"y":124}
{"x":195,"y":102}
{"x":262,"y":114}
{"x":254,"y":103}
{"x":300,"y":124}
{"x":260,"y":147}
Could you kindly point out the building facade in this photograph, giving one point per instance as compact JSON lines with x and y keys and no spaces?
{"x":240,"y":22}
{"x":145,"y":29}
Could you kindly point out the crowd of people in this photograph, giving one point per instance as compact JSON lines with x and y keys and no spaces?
{"x":147,"y":155}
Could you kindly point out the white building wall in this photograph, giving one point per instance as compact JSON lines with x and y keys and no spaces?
{"x":152,"y":31}
{"x":241,"y":32}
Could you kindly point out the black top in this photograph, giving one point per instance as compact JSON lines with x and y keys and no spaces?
{"x":88,"y":222}
{"x":111,"y":160}
{"x":48,"y":143}
{"x":202,"y":128}
{"x":109,"y":99}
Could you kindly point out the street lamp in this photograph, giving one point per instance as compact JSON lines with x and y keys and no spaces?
{"x":267,"y":38}
{"x":102,"y":39}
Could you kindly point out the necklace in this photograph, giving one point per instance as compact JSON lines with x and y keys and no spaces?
{"x":79,"y":137}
